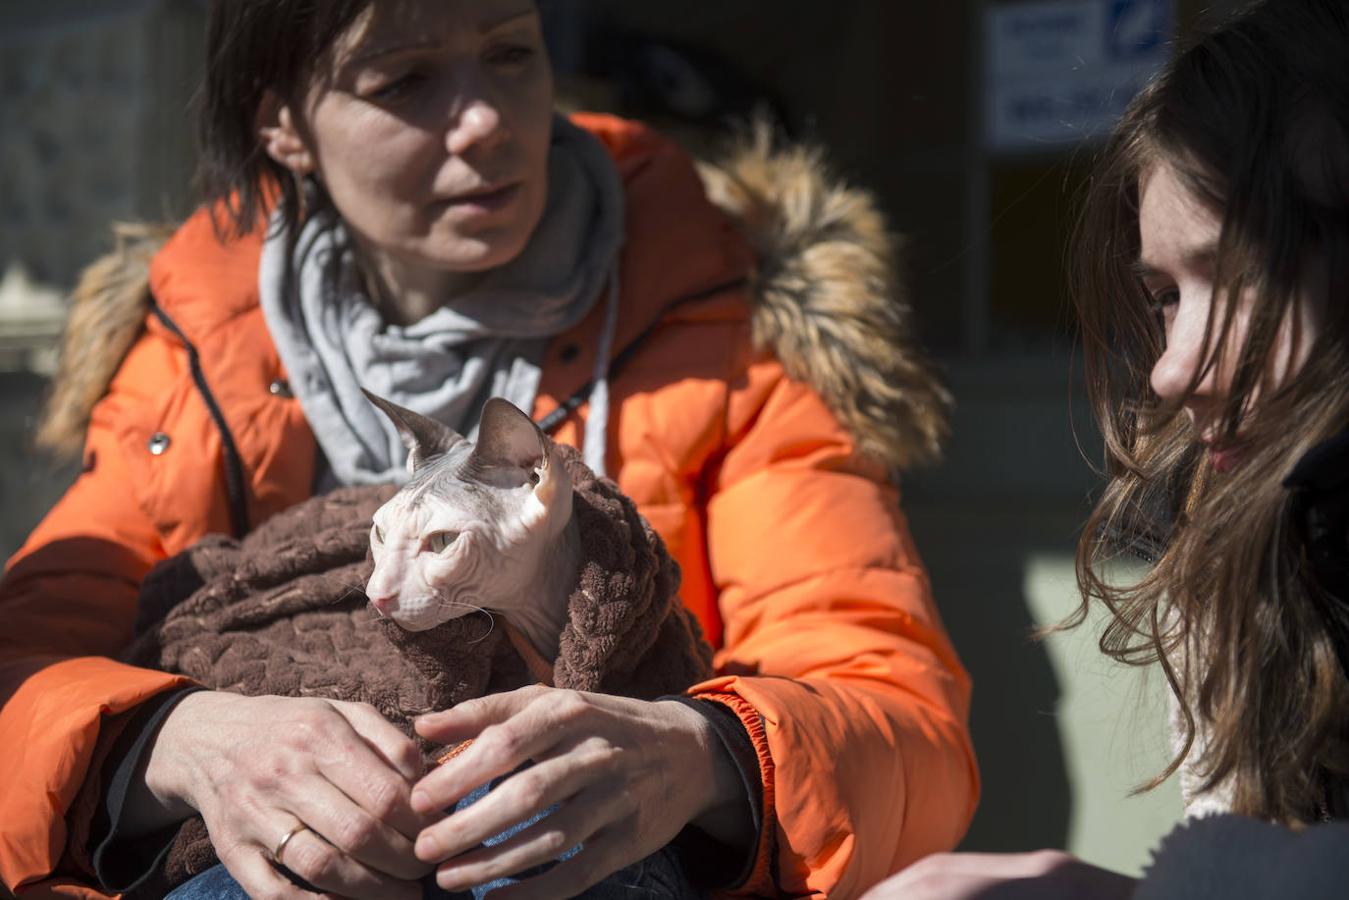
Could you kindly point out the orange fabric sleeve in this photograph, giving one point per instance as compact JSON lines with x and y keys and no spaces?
{"x":68,"y":601}
{"x":834,"y":650}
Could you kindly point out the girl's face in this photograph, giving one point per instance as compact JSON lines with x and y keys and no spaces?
{"x":429,"y":125}
{"x":1177,"y":263}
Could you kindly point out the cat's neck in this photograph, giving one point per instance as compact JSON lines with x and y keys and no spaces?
{"x":543,"y":617}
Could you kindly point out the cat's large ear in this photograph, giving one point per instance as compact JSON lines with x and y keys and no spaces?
{"x":508,"y":437}
{"x":425,"y":438}
{"x":509,"y":441}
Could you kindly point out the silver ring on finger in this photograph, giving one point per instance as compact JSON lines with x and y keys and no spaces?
{"x":280,"y":847}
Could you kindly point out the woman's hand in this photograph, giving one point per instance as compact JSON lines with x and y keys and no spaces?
{"x":257,"y":767}
{"x":1043,"y":875}
{"x":626,"y":776}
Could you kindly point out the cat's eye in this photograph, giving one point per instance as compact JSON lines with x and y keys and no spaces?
{"x":440,"y":540}
{"x":378,"y":534}
{"x":534,"y":477}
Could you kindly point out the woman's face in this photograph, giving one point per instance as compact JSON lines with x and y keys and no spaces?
{"x":1177,"y":263}
{"x":429,"y":125}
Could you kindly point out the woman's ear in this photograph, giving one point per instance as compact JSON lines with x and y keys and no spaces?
{"x":280,"y":136}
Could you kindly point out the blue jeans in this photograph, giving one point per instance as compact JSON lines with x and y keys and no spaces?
{"x":658,"y":877}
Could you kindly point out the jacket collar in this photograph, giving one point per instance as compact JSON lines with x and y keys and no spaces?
{"x":1319,"y":485}
{"x":201,"y":281}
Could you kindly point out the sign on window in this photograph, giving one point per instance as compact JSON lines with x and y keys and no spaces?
{"x":1062,"y":71}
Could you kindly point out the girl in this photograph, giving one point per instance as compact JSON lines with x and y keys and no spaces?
{"x":1213,"y":287}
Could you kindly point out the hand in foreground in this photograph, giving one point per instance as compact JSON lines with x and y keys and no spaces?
{"x":258,"y":767}
{"x":627,"y":776}
{"x":1043,"y":875}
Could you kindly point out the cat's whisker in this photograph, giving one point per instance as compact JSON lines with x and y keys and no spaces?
{"x":350,"y":587}
{"x":491,"y":625}
{"x":454,"y":603}
{"x":347,"y":584}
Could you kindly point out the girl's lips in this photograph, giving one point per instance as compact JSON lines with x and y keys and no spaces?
{"x":483,"y":201}
{"x":1224,"y":458}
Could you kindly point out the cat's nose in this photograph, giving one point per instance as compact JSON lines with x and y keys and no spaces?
{"x":383,"y":603}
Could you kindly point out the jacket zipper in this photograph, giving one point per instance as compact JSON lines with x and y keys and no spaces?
{"x":234,"y":466}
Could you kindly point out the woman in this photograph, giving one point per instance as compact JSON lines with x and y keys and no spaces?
{"x":1212,"y":280}
{"x":391,"y":203}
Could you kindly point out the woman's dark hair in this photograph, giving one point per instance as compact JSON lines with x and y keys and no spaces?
{"x":254,"y":46}
{"x":1253,"y":117}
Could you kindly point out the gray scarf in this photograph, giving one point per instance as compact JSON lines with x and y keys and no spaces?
{"x":488,"y":341}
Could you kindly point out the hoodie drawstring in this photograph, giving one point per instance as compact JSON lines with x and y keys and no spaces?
{"x":595,"y":442}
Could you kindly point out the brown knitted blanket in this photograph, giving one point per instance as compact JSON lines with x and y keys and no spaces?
{"x":283,"y":612}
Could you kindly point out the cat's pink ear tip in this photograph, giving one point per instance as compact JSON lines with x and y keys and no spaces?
{"x":502,"y":406}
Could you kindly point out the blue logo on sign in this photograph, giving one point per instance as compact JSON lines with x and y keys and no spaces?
{"x":1136,"y":28}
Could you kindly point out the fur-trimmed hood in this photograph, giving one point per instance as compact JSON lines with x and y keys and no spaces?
{"x":829,"y":302}
{"x":830,"y":299}
{"x":107,"y":314}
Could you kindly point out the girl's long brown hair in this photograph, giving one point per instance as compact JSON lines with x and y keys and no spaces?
{"x":1254,"y":118}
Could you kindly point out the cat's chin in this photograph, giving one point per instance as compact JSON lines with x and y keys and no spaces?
{"x":418,"y":624}
{"x":406,"y":625}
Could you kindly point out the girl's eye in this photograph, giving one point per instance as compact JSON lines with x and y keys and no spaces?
{"x":516,"y":55}
{"x":1164,"y":304}
{"x":397,"y":88}
{"x":441,"y":540}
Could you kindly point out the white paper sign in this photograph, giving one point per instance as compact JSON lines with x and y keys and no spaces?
{"x":1062,"y":71}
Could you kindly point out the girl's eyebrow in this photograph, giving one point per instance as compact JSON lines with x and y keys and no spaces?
{"x":1194,"y":258}
{"x":1142,"y":270}
{"x":391,"y":49}
{"x":427,"y":43}
{"x":508,"y":19}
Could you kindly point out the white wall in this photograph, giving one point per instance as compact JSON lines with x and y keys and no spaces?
{"x":1062,"y":733}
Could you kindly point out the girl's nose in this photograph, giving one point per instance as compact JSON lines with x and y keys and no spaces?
{"x":1185,"y":353}
{"x":478,"y":123}
{"x":1172,"y":372}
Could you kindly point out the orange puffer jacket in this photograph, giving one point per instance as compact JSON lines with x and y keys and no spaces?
{"x":765,"y":471}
